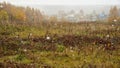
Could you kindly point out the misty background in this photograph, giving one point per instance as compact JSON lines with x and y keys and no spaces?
{"x":88,"y":9}
{"x":52,"y":7}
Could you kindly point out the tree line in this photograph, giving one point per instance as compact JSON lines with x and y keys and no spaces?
{"x":11,"y":13}
{"x":16,"y":14}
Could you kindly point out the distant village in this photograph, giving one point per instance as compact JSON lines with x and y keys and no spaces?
{"x":80,"y":16}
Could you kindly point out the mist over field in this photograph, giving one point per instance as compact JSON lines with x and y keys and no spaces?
{"x":53,"y":7}
{"x":88,"y":9}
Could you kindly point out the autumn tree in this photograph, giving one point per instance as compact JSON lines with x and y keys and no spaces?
{"x":3,"y":15}
{"x":19,"y":14}
{"x":15,"y":13}
{"x":113,"y":14}
{"x":119,"y":14}
{"x":53,"y":19}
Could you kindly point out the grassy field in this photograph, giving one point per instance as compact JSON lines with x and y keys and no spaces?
{"x":63,"y":45}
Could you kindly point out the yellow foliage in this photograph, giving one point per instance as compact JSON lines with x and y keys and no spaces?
{"x":113,"y":14}
{"x":18,"y":14}
{"x":3,"y":15}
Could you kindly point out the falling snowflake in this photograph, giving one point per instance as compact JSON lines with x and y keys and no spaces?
{"x":108,"y":36}
{"x":30,"y":34}
{"x":17,"y":36}
{"x":112,"y":25}
{"x":48,"y":38}
{"x":112,"y":43}
{"x":25,"y":50}
{"x":22,"y":42}
{"x":115,"y":20}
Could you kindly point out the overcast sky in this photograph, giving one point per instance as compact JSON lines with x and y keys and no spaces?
{"x":53,"y":6}
{"x":64,"y":2}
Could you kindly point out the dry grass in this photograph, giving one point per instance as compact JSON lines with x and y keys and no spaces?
{"x":71,"y":45}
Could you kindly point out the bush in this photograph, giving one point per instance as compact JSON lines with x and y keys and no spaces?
{"x":20,"y":57}
{"x":60,"y":48}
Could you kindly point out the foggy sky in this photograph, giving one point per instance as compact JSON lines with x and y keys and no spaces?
{"x":64,"y":2}
{"x":53,"y":6}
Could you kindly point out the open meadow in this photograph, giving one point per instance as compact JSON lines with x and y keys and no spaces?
{"x":34,"y":34}
{"x":60,"y":45}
